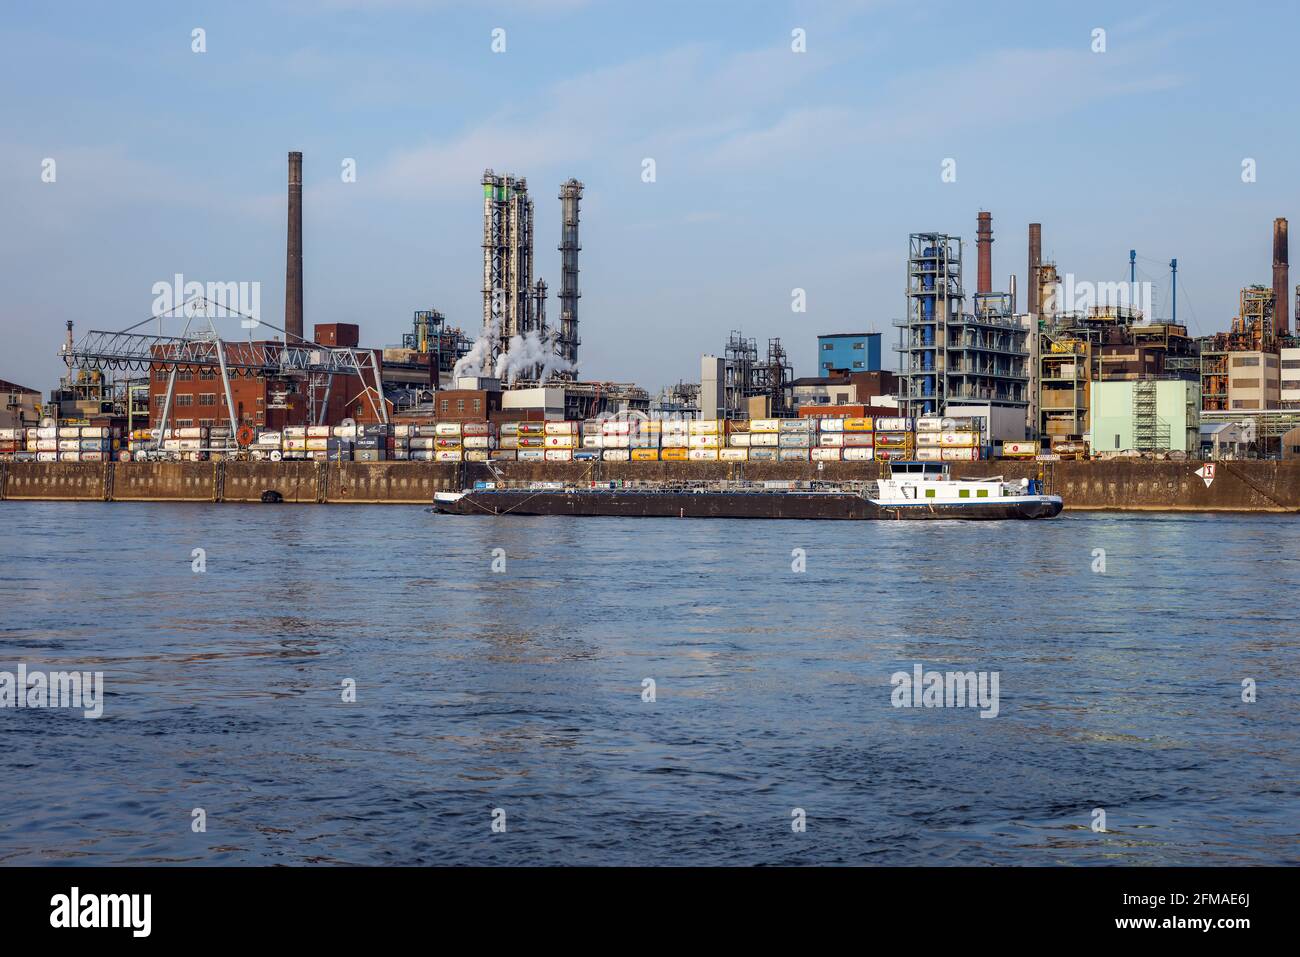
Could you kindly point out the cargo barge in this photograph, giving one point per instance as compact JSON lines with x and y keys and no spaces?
{"x":913,"y":490}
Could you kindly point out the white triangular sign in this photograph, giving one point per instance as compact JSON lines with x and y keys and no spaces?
{"x":1206,"y":472}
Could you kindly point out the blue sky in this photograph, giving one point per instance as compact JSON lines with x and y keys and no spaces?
{"x":775,"y":170}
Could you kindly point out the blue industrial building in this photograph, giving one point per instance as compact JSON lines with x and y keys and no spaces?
{"x":848,"y":352}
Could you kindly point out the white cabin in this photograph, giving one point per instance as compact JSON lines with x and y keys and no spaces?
{"x":931,"y":483}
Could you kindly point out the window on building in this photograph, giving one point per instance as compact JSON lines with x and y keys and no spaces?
{"x":1291,"y":383}
{"x":859,"y":365}
{"x":1240,"y":361}
{"x":207,"y":423}
{"x":963,"y":493}
{"x":981,"y":493}
{"x":1245,"y":383}
{"x":207,"y":373}
{"x":159,"y":399}
{"x":827,"y":346}
{"x":184,"y":423}
{"x":859,"y":345}
{"x":477,"y":404}
{"x":184,"y":399}
{"x":207,"y":398}
{"x":1291,"y":363}
{"x":444,"y":406}
{"x":185,"y":375}
{"x":161,"y":375}
{"x":460,"y":405}
{"x":1116,"y":440}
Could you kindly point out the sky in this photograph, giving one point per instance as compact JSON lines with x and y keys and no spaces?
{"x":775,"y":170}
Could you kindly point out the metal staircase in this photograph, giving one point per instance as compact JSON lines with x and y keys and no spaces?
{"x":1150,"y":432}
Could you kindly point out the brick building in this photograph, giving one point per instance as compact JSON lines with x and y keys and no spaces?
{"x":269,"y":402}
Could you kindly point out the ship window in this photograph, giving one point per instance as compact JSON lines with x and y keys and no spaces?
{"x":929,"y":493}
{"x":981,"y":493}
{"x":963,"y":493}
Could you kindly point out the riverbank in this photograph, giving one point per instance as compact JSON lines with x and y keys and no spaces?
{"x":1110,"y":486}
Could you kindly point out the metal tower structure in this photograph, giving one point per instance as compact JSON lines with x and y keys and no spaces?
{"x":747,"y":374}
{"x":539,"y":306}
{"x":568,"y":341}
{"x":507,"y":257}
{"x":934,"y":298}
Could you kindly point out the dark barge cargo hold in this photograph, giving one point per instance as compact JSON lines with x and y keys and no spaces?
{"x":914,"y":490}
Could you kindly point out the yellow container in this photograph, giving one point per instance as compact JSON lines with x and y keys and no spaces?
{"x":645,"y":455}
{"x":672,"y":455}
{"x":858,"y":425}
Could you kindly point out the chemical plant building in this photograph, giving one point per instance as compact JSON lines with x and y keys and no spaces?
{"x":958,"y":362}
{"x":845,"y":352}
{"x":198,"y":393}
{"x":1051,"y":380}
{"x":1103,"y":381}
{"x":21,"y":405}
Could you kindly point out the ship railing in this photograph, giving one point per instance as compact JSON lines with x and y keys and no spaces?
{"x":691,"y":486}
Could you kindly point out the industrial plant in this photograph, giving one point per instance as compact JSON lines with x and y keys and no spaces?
{"x":1064,"y":377}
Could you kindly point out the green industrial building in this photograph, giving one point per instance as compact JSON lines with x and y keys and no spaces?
{"x":1145,"y":415}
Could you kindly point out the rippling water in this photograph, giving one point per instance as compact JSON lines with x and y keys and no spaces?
{"x":522,"y":689}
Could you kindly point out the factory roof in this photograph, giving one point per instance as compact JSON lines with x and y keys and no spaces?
{"x":7,"y":386}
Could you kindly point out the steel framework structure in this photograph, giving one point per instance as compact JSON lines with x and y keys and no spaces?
{"x":508,"y":288}
{"x":143,"y":352}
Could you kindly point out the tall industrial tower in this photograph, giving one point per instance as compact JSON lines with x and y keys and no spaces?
{"x":568,"y":341}
{"x":934,"y":299}
{"x":508,"y":288}
{"x":293,"y":255}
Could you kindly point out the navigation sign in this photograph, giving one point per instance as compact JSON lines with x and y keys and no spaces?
{"x":1206,"y":472}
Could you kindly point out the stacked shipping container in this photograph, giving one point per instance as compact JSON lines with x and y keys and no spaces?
{"x":668,"y":440}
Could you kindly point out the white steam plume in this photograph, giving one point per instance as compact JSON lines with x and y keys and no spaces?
{"x":478,"y":361}
{"x":528,"y":352}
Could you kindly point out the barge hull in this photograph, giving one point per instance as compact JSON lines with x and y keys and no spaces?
{"x":781,"y":505}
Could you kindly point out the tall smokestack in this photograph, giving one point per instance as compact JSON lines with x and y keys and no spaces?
{"x":984,"y":247}
{"x":293,"y":254}
{"x":1281,"y":279}
{"x":570,"y":197}
{"x":1035,"y":260}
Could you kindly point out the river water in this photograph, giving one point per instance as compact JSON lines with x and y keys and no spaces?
{"x":500,"y":669}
